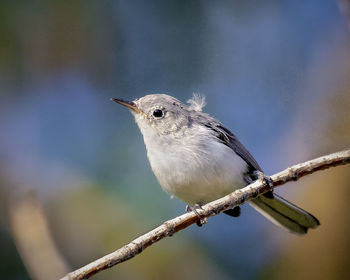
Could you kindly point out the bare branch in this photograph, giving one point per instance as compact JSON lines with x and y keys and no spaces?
{"x":33,"y":238}
{"x":230,"y":201}
{"x":344,"y":6}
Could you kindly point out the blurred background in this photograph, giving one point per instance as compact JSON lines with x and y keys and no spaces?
{"x":75,"y":182}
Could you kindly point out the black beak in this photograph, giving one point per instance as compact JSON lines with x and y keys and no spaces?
{"x":129,"y":104}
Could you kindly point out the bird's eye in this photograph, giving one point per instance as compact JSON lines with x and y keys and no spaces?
{"x":157,"y":113}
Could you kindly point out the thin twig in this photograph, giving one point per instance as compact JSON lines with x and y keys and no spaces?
{"x":230,"y":201}
{"x":344,"y":6}
{"x":33,"y":239}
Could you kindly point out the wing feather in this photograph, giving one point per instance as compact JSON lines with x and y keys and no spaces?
{"x":226,"y":137}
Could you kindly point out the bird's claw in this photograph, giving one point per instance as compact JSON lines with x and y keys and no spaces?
{"x":202,"y":220}
{"x":265,"y":179}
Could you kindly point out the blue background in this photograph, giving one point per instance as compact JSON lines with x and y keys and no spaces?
{"x":275,"y":72}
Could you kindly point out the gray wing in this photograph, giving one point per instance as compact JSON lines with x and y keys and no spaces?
{"x":226,"y":137}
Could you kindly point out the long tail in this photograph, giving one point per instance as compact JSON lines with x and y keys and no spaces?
{"x":285,"y":214}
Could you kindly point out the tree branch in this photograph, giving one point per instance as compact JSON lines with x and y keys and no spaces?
{"x":213,"y":208}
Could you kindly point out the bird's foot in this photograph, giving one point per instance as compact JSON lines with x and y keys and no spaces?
{"x":202,"y":220}
{"x":265,"y":179}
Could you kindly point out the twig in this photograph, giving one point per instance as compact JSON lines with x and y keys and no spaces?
{"x":33,"y":238}
{"x":344,"y":6}
{"x":230,"y":201}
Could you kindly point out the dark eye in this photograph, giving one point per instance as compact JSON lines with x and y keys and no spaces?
{"x":157,"y":113}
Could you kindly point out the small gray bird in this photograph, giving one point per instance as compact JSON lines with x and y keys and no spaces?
{"x":198,"y":160}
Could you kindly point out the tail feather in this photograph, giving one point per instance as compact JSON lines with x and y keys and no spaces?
{"x":285,"y":214}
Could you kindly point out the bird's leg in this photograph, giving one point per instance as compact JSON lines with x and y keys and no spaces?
{"x":202,"y":220}
{"x":266,"y":180}
{"x":188,"y":208}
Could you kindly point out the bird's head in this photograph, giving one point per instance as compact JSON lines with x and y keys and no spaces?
{"x":162,"y":113}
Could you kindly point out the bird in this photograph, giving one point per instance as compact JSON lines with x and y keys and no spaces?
{"x":197,"y":159}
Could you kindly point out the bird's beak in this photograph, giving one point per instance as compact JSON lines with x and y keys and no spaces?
{"x":129,"y":104}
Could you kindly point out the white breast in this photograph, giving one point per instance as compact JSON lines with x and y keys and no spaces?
{"x":194,"y":170}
